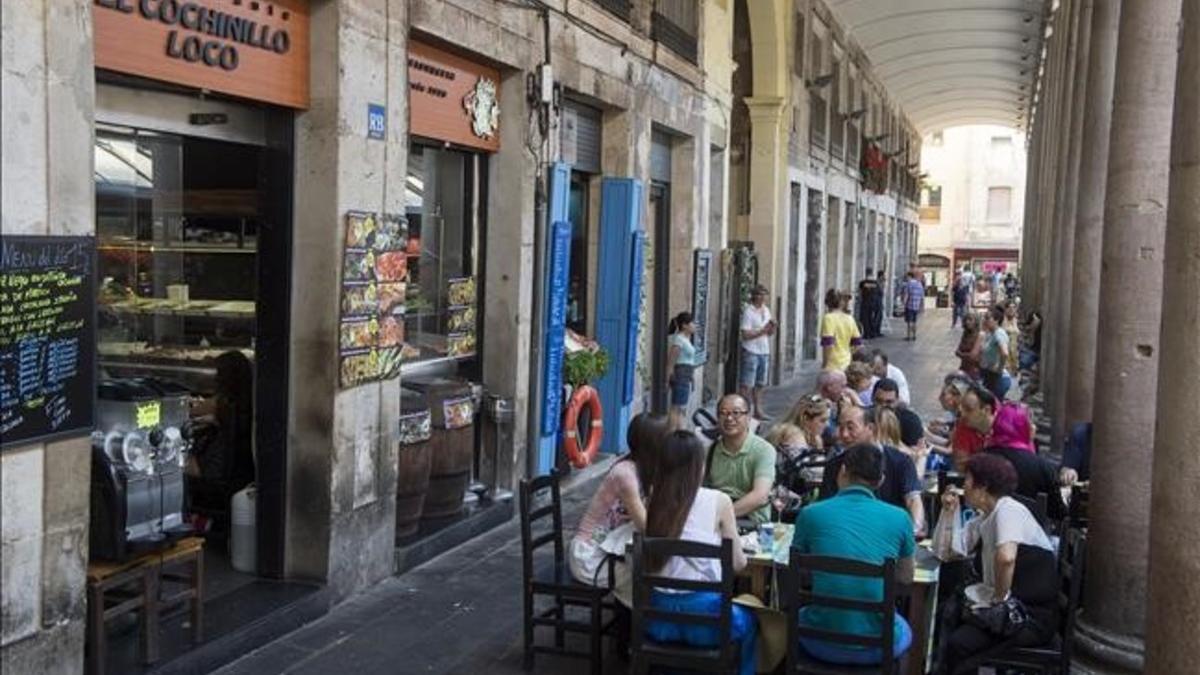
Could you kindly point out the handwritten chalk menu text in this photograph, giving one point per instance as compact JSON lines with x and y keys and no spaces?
{"x":47,"y":337}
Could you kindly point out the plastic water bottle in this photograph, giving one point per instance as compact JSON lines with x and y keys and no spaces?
{"x":766,"y":538}
{"x":243,"y":552}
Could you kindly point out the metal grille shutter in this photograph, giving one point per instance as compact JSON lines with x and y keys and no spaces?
{"x":581,"y":137}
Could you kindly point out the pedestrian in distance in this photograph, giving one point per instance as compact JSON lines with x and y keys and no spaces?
{"x":914,"y":303}
{"x":682,"y":360}
{"x":869,"y":300}
{"x":839,"y":333}
{"x":758,"y":326}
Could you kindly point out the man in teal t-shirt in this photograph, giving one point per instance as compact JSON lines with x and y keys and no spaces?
{"x":855,"y":524}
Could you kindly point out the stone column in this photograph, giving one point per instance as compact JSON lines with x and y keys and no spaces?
{"x":1089,"y":219}
{"x":1029,"y":231}
{"x":1174,"y":599}
{"x":1111,"y":629}
{"x":1054,"y":186}
{"x":768,"y":182}
{"x":1065,"y":216}
{"x":342,"y":459}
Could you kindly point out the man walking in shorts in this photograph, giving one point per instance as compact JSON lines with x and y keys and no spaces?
{"x":757,"y":328}
{"x":914,"y":302}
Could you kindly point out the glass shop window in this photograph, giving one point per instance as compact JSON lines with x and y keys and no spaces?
{"x":444,"y":207}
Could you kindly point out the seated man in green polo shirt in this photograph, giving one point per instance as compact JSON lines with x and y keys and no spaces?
{"x":855,"y":524}
{"x":741,"y":464}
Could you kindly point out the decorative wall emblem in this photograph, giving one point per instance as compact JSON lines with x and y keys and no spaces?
{"x":484,"y":109}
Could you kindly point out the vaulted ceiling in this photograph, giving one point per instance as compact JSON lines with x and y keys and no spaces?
{"x":951,"y":62}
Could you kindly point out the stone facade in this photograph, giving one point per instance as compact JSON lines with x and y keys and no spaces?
{"x":342,"y":459}
{"x":46,"y":133}
{"x":797,"y":186}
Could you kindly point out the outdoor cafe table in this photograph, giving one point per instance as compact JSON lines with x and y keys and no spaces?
{"x":922,"y":593}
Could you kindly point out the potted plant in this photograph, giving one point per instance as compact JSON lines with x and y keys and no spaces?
{"x":582,"y":366}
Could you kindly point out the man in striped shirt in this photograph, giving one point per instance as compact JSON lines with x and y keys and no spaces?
{"x":914,"y":302}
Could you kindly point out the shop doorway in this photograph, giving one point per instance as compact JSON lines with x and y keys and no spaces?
{"x":578,"y":288}
{"x":193,"y":230}
{"x":812,"y":278}
{"x":789,"y":337}
{"x":658,"y":272}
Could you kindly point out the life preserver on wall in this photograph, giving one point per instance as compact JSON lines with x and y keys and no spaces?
{"x":583,"y":396}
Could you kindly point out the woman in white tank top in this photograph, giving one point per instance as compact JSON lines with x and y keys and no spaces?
{"x":681,"y":509}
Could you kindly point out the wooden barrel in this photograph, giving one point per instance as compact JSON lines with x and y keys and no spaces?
{"x":412,"y":476}
{"x":452,"y":446}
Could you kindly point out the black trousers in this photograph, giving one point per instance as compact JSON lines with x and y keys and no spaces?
{"x":965,"y":647}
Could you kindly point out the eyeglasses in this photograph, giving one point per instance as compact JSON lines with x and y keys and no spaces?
{"x":732,"y":414}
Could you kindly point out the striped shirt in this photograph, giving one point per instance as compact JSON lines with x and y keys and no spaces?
{"x":914,"y":295}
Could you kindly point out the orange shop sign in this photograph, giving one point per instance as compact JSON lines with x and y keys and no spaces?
{"x":254,"y":49}
{"x":453,"y":99}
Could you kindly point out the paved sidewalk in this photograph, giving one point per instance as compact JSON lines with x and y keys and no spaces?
{"x":461,"y":612}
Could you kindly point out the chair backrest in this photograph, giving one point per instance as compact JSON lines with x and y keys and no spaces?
{"x":796,"y":596}
{"x":1077,"y":510}
{"x":646,"y":580}
{"x":945,"y":479}
{"x":1038,"y":507}
{"x":1072,"y":557}
{"x":533,"y":515}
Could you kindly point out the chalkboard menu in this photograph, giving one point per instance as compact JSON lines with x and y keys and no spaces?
{"x":47,"y":337}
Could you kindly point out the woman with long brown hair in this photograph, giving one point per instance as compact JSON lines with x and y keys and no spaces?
{"x":618,"y":507}
{"x":681,"y":509}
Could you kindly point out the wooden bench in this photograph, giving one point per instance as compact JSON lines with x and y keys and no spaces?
{"x":118,"y":588}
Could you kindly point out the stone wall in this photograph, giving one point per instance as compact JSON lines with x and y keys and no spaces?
{"x":46,"y":132}
{"x":638,"y":85}
{"x":342,"y":449}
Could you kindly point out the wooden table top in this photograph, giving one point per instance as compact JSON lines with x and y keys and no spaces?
{"x":926,"y":565}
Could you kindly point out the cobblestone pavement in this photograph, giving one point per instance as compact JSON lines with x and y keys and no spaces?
{"x":461,"y":612}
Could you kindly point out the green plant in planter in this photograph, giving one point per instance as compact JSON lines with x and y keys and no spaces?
{"x":584,"y":367}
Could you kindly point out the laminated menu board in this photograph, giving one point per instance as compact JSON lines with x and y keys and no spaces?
{"x":460,"y":319}
{"x":374,"y":285}
{"x":47,"y":337}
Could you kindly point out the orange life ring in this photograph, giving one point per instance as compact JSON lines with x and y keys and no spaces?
{"x":584,"y":395}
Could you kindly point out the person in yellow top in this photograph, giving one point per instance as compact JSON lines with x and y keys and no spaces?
{"x":839,"y":333}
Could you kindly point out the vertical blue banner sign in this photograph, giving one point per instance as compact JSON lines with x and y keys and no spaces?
{"x":556,"y":260}
{"x":637,"y":267}
{"x":556,"y":325}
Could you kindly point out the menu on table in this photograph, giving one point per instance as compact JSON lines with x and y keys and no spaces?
{"x":374,"y":285}
{"x":47,"y":337}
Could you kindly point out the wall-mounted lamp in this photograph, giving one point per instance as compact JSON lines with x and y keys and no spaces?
{"x":876,"y":139}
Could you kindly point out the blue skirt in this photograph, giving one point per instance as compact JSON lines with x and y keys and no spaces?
{"x":742,"y":629}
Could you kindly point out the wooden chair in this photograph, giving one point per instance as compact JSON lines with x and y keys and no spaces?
{"x":550,"y":576}
{"x":796,"y":596}
{"x":1077,"y":510}
{"x":118,"y":588}
{"x":1056,"y":656}
{"x":723,"y":656}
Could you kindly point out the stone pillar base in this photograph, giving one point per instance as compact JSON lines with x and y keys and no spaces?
{"x":1098,"y":651}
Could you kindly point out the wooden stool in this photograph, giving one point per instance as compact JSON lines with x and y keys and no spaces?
{"x":109,"y":597}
